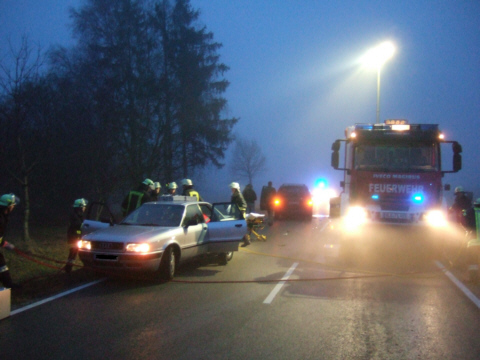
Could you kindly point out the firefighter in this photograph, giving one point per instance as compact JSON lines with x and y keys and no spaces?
{"x":473,"y":248}
{"x":155,"y":192}
{"x":137,"y":197}
{"x":74,"y":231}
{"x":188,"y":190}
{"x":250,"y":196}
{"x":461,"y":203}
{"x":7,"y":204}
{"x":172,"y":188}
{"x":238,"y":203}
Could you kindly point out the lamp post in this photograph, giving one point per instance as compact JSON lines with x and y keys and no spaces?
{"x":375,"y":58}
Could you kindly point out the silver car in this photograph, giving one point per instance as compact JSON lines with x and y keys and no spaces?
{"x":160,"y":235}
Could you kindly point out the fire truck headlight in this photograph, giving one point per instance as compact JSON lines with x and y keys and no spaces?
{"x":138,"y":248}
{"x":355,"y":217}
{"x":83,"y":244}
{"x":436,"y":218}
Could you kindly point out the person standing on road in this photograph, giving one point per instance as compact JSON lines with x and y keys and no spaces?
{"x":238,"y":207}
{"x":250,"y":197}
{"x":7,"y":204}
{"x":188,"y":190}
{"x":461,"y":203}
{"x":74,"y":231}
{"x":266,"y":201}
{"x":137,"y":197}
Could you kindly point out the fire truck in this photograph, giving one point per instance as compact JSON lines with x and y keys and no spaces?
{"x":393,"y":174}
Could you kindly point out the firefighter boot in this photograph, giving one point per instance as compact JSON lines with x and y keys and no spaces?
{"x":6,"y":279}
{"x":246,"y":240}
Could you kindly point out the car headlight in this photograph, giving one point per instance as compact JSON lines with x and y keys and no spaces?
{"x":355,"y":216}
{"x":138,"y":247}
{"x":83,"y":244}
{"x":436,"y":218}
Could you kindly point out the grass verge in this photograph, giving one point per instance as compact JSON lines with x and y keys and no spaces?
{"x":39,"y":271}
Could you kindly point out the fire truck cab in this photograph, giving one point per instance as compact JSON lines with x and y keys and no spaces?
{"x":393,"y":174}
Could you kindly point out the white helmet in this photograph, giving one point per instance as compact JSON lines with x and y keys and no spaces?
{"x":187,"y":182}
{"x":172,"y":185}
{"x":458,"y":189}
{"x":235,"y":185}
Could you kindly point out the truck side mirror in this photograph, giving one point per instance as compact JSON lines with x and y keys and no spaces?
{"x":335,"y":160}
{"x":457,"y":162}
{"x":457,"y":148}
{"x":336,"y":146}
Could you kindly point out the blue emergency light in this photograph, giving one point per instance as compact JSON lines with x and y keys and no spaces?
{"x":417,"y":198}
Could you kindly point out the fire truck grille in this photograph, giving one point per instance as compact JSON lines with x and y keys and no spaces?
{"x":394,"y":207}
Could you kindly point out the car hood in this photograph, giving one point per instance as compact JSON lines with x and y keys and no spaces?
{"x":131,"y":233}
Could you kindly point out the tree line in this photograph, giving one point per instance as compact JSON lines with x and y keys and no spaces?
{"x":139,"y":94}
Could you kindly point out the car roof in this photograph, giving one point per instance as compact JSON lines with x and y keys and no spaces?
{"x":177,"y":200}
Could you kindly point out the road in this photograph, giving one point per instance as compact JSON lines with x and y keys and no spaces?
{"x":383,"y":300}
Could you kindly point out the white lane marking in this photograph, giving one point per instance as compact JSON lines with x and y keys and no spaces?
{"x":459,"y":284}
{"x":41,"y":302}
{"x":277,"y":287}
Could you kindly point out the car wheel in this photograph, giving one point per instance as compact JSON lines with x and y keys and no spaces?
{"x":168,"y":264}
{"x":224,"y":258}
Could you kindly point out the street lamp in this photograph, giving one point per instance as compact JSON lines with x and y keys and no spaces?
{"x":375,"y":58}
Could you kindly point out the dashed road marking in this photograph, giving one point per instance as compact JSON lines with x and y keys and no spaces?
{"x":277,"y":287}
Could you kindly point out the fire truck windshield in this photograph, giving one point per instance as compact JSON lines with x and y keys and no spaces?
{"x":396,"y":157}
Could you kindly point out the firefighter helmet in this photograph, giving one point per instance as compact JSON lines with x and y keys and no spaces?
{"x":8,"y":199}
{"x":157,"y":185}
{"x":148,"y":182}
{"x":477,"y":203}
{"x":235,"y":185}
{"x":187,"y":182}
{"x":458,"y":189}
{"x":172,"y":185}
{"x":80,"y":203}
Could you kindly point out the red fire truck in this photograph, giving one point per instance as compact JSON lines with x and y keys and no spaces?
{"x":393,"y":174}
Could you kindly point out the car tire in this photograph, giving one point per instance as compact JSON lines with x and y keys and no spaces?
{"x":168,"y":264}
{"x":224,"y":258}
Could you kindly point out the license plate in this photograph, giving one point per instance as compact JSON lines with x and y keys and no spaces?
{"x":394,"y":215}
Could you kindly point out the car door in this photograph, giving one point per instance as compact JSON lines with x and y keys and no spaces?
{"x":226,"y":228}
{"x":194,"y":232}
{"x":97,"y":216}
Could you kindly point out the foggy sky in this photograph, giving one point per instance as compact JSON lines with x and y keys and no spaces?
{"x":295,"y":83}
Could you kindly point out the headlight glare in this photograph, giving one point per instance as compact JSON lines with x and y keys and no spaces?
{"x":138,"y":247}
{"x":355,"y":216}
{"x":83,"y":244}
{"x":436,"y":218}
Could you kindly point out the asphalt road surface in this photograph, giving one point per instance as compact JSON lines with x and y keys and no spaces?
{"x":302,"y":294}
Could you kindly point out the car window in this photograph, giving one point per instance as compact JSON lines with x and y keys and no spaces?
{"x":193,"y":213}
{"x":207,"y":212}
{"x":226,"y":212}
{"x":156,"y":215}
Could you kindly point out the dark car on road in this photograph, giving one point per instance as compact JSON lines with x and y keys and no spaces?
{"x":293,"y":201}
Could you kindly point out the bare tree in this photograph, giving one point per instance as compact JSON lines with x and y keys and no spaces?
{"x":248,"y":159}
{"x":21,"y":130}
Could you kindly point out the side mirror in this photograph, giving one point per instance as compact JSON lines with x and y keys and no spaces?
{"x":456,"y":147}
{"x":457,"y":162}
{"x":336,"y":145}
{"x":335,"y":160}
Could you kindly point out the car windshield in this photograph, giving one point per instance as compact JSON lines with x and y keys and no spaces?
{"x":396,"y":157}
{"x":167,"y":215}
{"x":293,"y":190}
